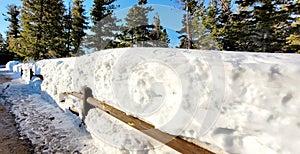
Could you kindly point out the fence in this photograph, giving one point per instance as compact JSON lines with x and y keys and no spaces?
{"x":172,"y":141}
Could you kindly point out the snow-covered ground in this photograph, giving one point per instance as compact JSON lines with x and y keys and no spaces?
{"x":240,"y":102}
{"x":50,"y":129}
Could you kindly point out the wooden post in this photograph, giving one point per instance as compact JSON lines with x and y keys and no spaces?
{"x":87,"y":92}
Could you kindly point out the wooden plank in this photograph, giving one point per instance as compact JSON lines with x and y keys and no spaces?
{"x":174,"y":142}
{"x":76,"y":94}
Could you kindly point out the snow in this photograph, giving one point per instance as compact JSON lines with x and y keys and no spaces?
{"x":48,"y":128}
{"x":51,"y":130}
{"x":9,"y":66}
{"x":237,"y":101}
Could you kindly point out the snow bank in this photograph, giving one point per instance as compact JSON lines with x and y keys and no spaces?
{"x":241,"y":102}
{"x":22,"y":70}
{"x":10,"y":65}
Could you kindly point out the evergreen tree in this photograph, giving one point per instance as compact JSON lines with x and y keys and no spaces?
{"x":223,"y":28}
{"x":4,"y":53}
{"x":3,"y":45}
{"x":2,"y":48}
{"x":255,"y":25}
{"x":195,"y":34}
{"x":31,"y":18}
{"x":201,"y":37}
{"x":164,"y":39}
{"x":186,"y":39}
{"x":67,"y":23}
{"x":217,"y":17}
{"x":270,"y":35}
{"x":13,"y":33}
{"x":293,"y":40}
{"x":156,"y":32}
{"x":138,"y":29}
{"x":105,"y":25}
{"x":262,"y":25}
{"x":43,"y":29}
{"x":126,"y":37}
{"x":14,"y":27}
{"x":158,"y":35}
{"x":54,"y":29}
{"x":78,"y":25}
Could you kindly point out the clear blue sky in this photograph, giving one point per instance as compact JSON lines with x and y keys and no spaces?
{"x":169,"y":14}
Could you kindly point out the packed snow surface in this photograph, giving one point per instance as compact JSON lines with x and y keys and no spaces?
{"x":49,"y":129}
{"x":240,"y":102}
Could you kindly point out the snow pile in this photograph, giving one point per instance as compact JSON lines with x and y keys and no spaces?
{"x":10,"y":65}
{"x":17,"y":68}
{"x":241,"y":102}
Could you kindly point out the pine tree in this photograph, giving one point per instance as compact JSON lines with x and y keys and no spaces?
{"x":156,"y":32}
{"x":126,"y":38}
{"x":164,"y":39}
{"x":43,"y":29}
{"x":195,"y":34}
{"x":186,"y":37}
{"x":217,"y":17}
{"x":224,"y":29}
{"x":104,"y":25}
{"x":262,"y":25}
{"x":4,"y":53}
{"x":293,"y":40}
{"x":78,"y":25}
{"x":13,"y":33}
{"x":14,"y":27}
{"x":257,"y":26}
{"x":32,"y":22}
{"x":3,"y":45}
{"x":202,"y":37}
{"x":67,"y":23}
{"x":186,"y":40}
{"x":54,"y":29}
{"x":138,"y":29}
{"x":159,"y":35}
{"x":2,"y":42}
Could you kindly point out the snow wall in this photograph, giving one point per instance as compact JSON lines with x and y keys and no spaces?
{"x":240,"y":102}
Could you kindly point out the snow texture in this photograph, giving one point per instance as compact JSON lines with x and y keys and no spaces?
{"x":9,"y":66}
{"x":239,"y":102}
{"x":49,"y":129}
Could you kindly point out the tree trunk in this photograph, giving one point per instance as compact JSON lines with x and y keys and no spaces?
{"x":187,"y":27}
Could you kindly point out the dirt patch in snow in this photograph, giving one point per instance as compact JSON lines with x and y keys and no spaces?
{"x":10,"y":141}
{"x":4,"y":78}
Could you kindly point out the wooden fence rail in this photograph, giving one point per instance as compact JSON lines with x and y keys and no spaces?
{"x":172,"y":141}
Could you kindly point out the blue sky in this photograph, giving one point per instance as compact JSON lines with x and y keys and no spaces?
{"x":168,"y":11}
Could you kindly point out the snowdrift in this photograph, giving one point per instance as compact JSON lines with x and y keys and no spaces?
{"x":240,"y":102}
{"x":10,"y":65}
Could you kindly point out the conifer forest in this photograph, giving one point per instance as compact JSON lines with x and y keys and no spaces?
{"x":42,"y":29}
